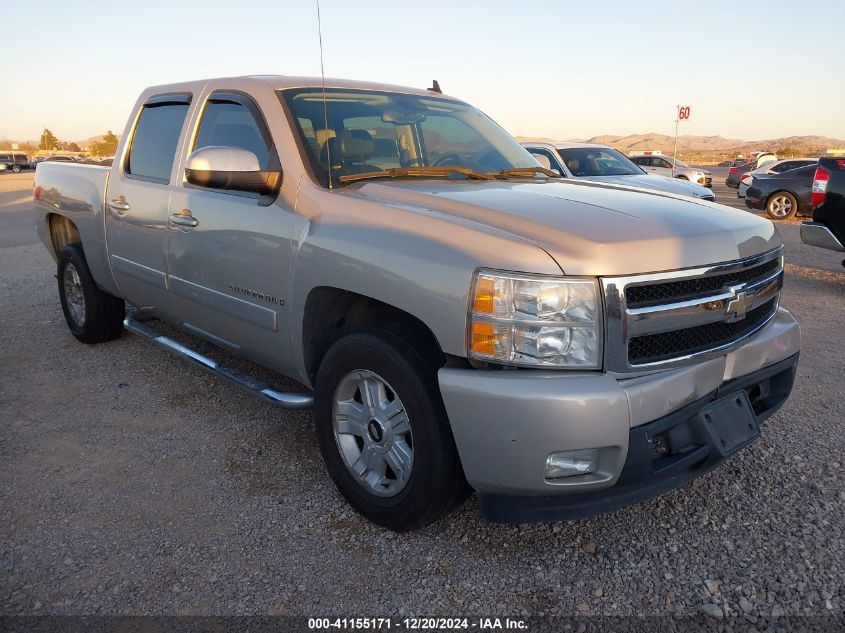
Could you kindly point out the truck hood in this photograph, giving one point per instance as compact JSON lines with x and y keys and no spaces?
{"x":657,"y":183}
{"x":589,"y":228}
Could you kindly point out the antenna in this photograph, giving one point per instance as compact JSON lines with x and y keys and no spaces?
{"x":435,"y":87}
{"x":325,"y":105}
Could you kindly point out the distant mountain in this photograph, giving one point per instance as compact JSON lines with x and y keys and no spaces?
{"x":709,"y":144}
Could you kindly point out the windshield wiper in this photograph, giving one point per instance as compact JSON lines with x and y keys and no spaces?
{"x":444,"y":171}
{"x":525,"y":172}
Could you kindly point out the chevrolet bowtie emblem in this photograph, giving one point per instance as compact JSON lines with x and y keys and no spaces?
{"x":737,"y":306}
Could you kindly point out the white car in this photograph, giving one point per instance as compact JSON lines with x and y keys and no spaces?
{"x":601,"y":163}
{"x":662,"y":166}
{"x":773,"y":167}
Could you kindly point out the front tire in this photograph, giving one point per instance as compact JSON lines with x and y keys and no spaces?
{"x":93,"y":316}
{"x":383,"y":431}
{"x":781,"y":206}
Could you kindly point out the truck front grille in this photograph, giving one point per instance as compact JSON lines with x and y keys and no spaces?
{"x":661,"y":319}
{"x":640,"y":296}
{"x":657,"y":347}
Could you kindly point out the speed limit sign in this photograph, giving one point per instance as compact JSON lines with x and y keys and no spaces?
{"x":683,"y":113}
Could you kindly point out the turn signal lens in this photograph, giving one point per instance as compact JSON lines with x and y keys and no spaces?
{"x":482,"y":338}
{"x":484,"y":290}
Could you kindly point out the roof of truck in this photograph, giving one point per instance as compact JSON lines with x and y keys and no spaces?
{"x":280,"y":82}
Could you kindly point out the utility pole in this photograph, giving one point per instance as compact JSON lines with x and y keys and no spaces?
{"x":681,"y":114}
{"x":675,"y":150}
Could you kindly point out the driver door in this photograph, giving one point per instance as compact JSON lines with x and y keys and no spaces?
{"x":229,"y":271}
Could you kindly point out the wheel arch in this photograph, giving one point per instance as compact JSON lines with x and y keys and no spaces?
{"x":777,"y":191}
{"x":62,"y":232}
{"x":331,"y":313}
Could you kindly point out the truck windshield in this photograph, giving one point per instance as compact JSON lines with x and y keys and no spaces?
{"x":371,"y":131}
{"x":598,"y":161}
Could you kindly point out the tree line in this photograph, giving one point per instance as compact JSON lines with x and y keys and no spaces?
{"x":48,"y":141}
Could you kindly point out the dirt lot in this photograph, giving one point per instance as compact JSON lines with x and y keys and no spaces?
{"x":132,"y":483}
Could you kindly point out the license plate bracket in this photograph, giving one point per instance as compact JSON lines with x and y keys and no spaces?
{"x":730,"y":422}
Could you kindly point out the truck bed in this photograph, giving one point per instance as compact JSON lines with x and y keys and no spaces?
{"x":76,"y":192}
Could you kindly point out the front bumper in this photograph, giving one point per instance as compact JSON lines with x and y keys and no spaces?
{"x":506,"y":423}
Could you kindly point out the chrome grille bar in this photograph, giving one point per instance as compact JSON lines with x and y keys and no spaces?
{"x":724,"y":300}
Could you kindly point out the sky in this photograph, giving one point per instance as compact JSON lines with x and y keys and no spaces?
{"x":749,"y":69}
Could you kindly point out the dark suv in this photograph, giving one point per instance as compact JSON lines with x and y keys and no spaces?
{"x":14,"y":161}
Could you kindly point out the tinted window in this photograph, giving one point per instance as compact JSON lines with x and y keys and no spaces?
{"x":154,"y":143}
{"x":5,"y":157}
{"x":641,"y":160}
{"x":597,"y":161}
{"x":803,"y":172}
{"x":228,"y":124}
{"x":790,"y":164}
{"x":21,"y":159}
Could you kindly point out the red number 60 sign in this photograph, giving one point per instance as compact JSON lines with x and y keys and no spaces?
{"x":683,"y":113}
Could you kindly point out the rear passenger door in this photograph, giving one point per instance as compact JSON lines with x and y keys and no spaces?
{"x":137,"y":202}
{"x":229,"y":273}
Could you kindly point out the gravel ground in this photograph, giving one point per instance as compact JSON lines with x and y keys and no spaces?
{"x":133,"y":483}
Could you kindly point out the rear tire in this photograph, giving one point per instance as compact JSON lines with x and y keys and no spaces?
{"x":93,"y":316}
{"x":782,"y":205}
{"x":378,"y":398}
{"x":16,"y":169}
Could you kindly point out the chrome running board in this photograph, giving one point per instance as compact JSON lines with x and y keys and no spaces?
{"x":240,"y":379}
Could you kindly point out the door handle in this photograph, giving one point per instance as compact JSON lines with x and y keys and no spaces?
{"x":119,"y":205}
{"x":184,"y":218}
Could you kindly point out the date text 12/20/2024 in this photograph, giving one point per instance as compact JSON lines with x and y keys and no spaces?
{"x":417,"y":624}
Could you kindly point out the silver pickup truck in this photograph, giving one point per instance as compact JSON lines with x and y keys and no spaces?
{"x":458,"y":316}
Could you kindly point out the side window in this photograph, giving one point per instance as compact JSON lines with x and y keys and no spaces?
{"x":642,"y":161}
{"x":5,"y":157}
{"x":155,"y":139}
{"x":536,"y":151}
{"x":229,"y":124}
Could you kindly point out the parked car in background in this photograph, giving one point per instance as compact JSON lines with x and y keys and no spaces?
{"x":601,"y":163}
{"x":14,"y":162}
{"x":758,"y":159}
{"x":663,"y":166}
{"x":60,"y":159}
{"x":736,"y":172}
{"x":782,"y":195}
{"x":774,"y":167}
{"x":827,"y":198}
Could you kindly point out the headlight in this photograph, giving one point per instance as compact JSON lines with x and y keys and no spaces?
{"x":535,"y":320}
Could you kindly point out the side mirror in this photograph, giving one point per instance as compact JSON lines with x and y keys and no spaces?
{"x":230,"y":168}
{"x":543,"y":160}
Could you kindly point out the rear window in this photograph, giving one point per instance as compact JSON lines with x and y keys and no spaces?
{"x":154,"y":142}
